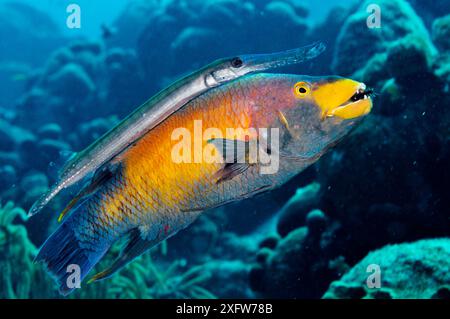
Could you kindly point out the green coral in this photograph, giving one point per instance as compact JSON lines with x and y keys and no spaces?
{"x":410,"y":270}
{"x":146,"y":279}
{"x":169,"y":283}
{"x":143,"y":278}
{"x":20,"y":278}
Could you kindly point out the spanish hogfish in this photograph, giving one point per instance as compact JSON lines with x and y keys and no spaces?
{"x":156,"y":188}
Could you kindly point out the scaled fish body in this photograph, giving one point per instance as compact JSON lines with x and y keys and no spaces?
{"x":158,"y":188}
{"x":159,"y":107}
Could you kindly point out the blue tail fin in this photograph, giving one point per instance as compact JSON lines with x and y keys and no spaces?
{"x":62,"y":249}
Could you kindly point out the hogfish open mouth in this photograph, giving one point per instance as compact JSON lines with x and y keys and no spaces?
{"x":359,"y":104}
{"x":362,"y":93}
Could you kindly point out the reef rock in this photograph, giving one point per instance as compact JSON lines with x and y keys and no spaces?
{"x":409,"y":270}
{"x":72,"y":81}
{"x":191,"y":34}
{"x":23,"y":26}
{"x":9,"y":177}
{"x":293,"y":214}
{"x":357,"y":44}
{"x":441,"y":33}
{"x":32,"y":185}
{"x":428,"y":11}
{"x":299,"y":266}
{"x":50,"y":131}
{"x":12,"y":136}
{"x":125,"y":88}
{"x":228,"y":278}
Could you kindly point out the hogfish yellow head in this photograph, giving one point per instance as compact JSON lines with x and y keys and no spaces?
{"x":314,"y":113}
{"x":339,"y":97}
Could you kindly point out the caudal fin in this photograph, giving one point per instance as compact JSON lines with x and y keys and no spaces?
{"x":64,"y":254}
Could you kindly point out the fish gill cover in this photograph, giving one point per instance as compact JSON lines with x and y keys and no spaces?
{"x":369,"y":220}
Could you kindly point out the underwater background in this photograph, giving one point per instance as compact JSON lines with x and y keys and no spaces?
{"x":376,"y":205}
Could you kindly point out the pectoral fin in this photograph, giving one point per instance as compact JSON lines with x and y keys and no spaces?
{"x":229,"y":171}
{"x":237,"y":156}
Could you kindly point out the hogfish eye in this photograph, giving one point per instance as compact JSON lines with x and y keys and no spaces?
{"x":236,"y":62}
{"x":301,"y":89}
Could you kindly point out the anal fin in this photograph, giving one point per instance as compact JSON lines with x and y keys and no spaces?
{"x":135,"y":247}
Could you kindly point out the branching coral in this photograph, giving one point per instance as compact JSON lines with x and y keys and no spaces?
{"x":20,"y":278}
{"x":171,"y":283}
{"x":146,"y":279}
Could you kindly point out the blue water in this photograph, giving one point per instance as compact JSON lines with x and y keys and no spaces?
{"x":387,"y":182}
{"x":96,"y":13}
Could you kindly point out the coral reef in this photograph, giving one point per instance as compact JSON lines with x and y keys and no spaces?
{"x":184,"y":29}
{"x":393,"y":149}
{"x":393,"y":214}
{"x":22,"y":27}
{"x":429,"y":11}
{"x":20,"y":278}
{"x":410,"y":270}
{"x":301,"y":263}
{"x":441,"y":33}
{"x":143,"y":279}
{"x":398,"y":20}
{"x":293,"y":214}
{"x":386,"y":184}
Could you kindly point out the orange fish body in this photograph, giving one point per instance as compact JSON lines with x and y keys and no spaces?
{"x":177,"y":170}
